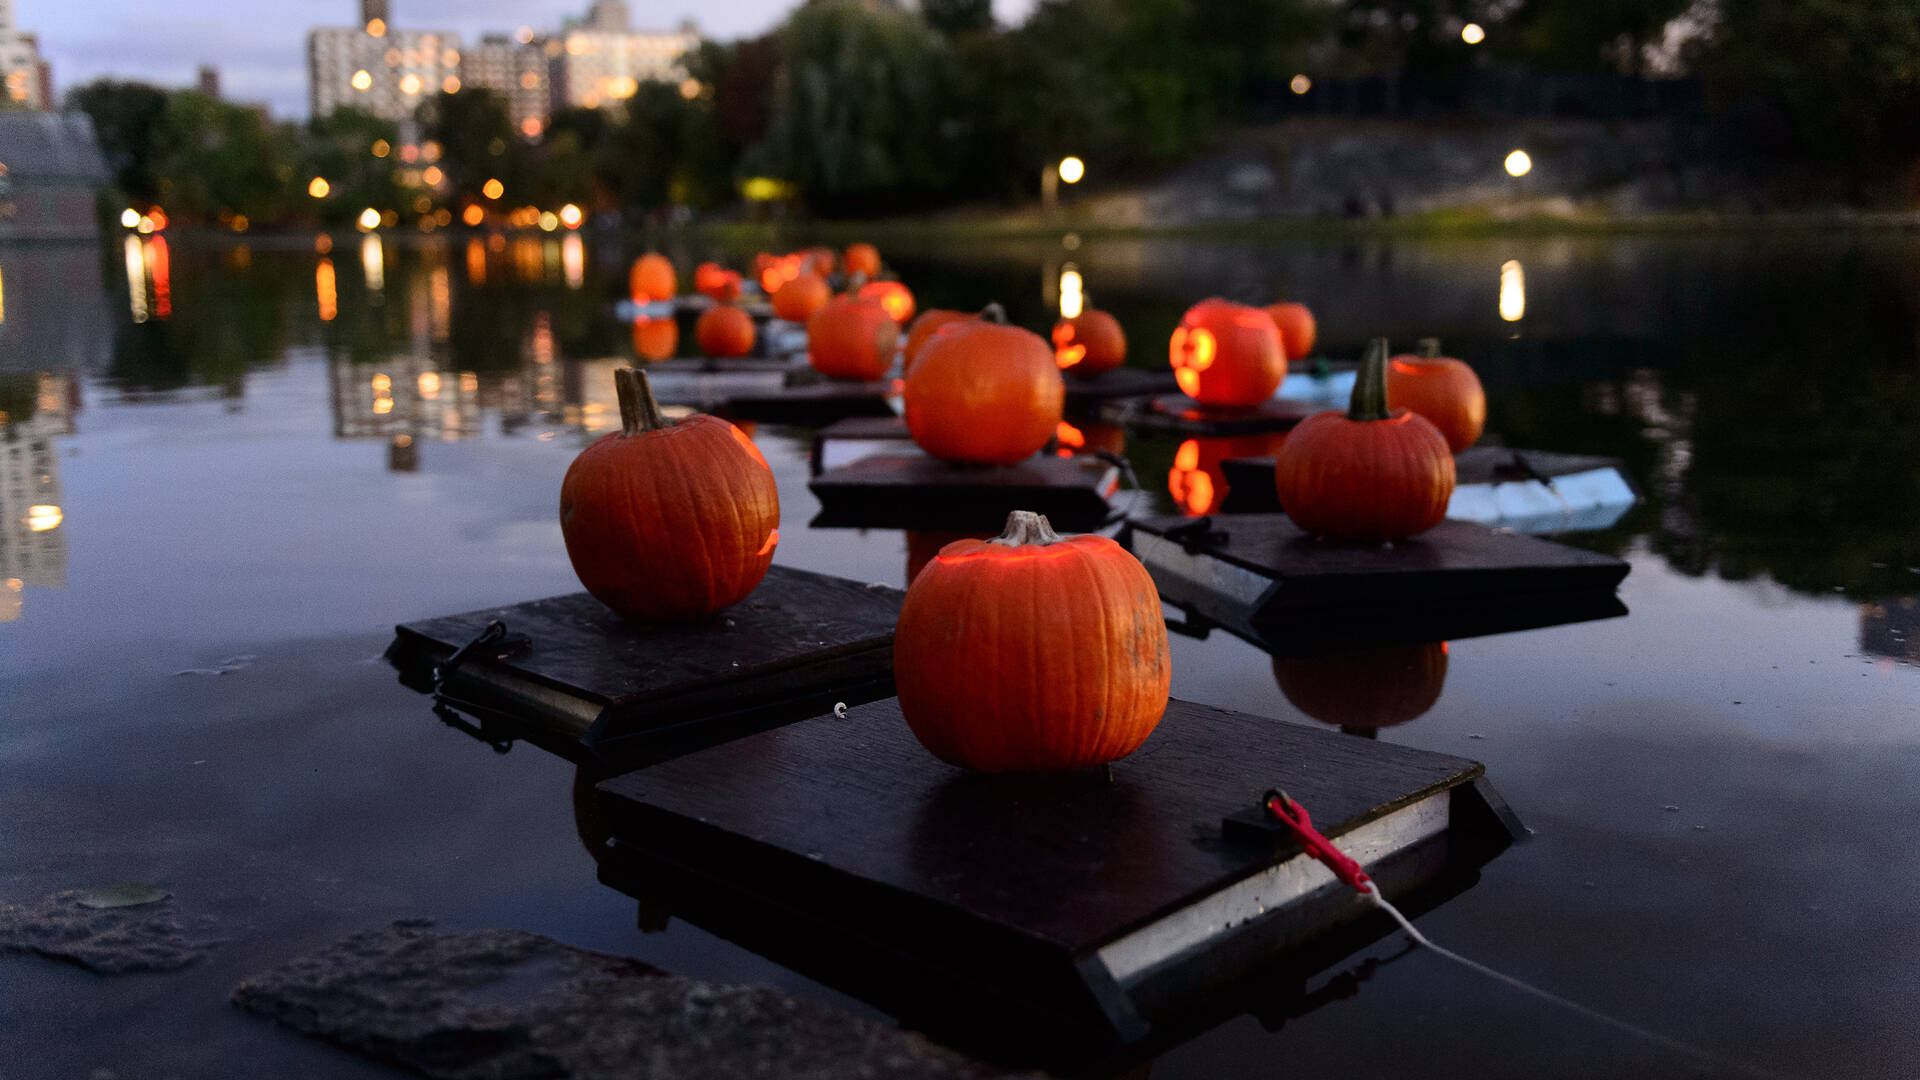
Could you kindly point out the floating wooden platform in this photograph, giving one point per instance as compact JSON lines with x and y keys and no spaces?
{"x":1084,"y":396}
{"x":914,"y":491}
{"x":593,"y":687}
{"x":1054,"y":919}
{"x":1262,"y":577}
{"x":1533,"y":491}
{"x":1178,"y":414}
{"x":811,"y":403}
{"x":847,"y":441}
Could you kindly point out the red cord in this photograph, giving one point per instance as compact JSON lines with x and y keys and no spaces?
{"x":1294,"y":817}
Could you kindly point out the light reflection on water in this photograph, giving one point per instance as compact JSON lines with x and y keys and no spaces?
{"x":301,"y":451}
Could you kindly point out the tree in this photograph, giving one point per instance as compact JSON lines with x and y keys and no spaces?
{"x":126,"y":118}
{"x":478,"y":143}
{"x":956,"y":17}
{"x":213,"y":160}
{"x":339,"y":147}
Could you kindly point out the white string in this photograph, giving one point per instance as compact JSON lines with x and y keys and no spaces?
{"x":1371,"y":893}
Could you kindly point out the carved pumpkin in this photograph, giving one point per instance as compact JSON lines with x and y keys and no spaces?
{"x":1365,"y":690}
{"x":668,"y":522}
{"x":1296,"y":326}
{"x":1031,"y":651}
{"x":776,"y":270}
{"x":895,"y":297}
{"x":1442,"y":389}
{"x":797,"y":300}
{"x":1197,"y":481}
{"x":652,"y":278}
{"x":724,"y":330}
{"x":1089,"y":343}
{"x":1367,"y":474}
{"x":861,"y":259}
{"x":851,"y":338}
{"x":656,"y":339}
{"x":984,"y":393}
{"x":1090,"y":437}
{"x":1227,"y":354}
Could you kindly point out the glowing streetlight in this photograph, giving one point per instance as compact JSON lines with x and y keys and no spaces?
{"x":1473,"y":34}
{"x":1072,"y":169}
{"x":44,"y":518}
{"x":1300,"y":84}
{"x":473,"y":215}
{"x":129,"y":218}
{"x":369,"y":219}
{"x":549,"y":221}
{"x":363,"y":80}
{"x":570,"y":216}
{"x":1519,"y":163}
{"x":493,"y":189}
{"x":376,"y":28}
{"x":319,"y":188}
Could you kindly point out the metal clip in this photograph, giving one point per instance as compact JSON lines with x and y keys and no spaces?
{"x":497,"y":645}
{"x":1196,"y":535}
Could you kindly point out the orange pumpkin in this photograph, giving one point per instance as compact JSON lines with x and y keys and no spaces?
{"x":924,"y":327}
{"x":1442,"y":389}
{"x":708,"y":276}
{"x":851,"y":338}
{"x":984,"y":393}
{"x":1365,"y":690}
{"x":1227,"y":354}
{"x":668,"y":522}
{"x":798,"y":299}
{"x":895,"y":297}
{"x":820,"y":260}
{"x":724,"y":330}
{"x":1297,"y":328}
{"x":923,"y":545}
{"x":1198,"y":482}
{"x":1031,"y":651}
{"x":861,"y":259}
{"x":656,"y":339}
{"x":775,"y":271}
{"x":652,"y":278}
{"x":1089,"y":343}
{"x":1367,"y":474}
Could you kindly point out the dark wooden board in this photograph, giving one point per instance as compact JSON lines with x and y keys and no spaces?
{"x":1178,"y":414}
{"x":1084,"y":395}
{"x":1250,"y":479}
{"x":810,"y":404}
{"x":1267,"y":565}
{"x":697,"y":365}
{"x":1320,"y":631}
{"x":593,"y":680}
{"x":914,"y":491}
{"x":875,"y":429}
{"x":869,"y":855}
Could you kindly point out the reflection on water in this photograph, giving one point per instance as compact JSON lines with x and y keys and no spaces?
{"x":1363,"y":691}
{"x":34,"y":410}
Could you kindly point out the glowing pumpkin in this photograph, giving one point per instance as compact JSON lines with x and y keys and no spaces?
{"x":895,"y":297}
{"x":851,"y":338}
{"x":656,"y":339}
{"x":1089,"y":343}
{"x":1366,"y":474}
{"x":1089,"y":437}
{"x":652,"y":278}
{"x":1227,"y":354}
{"x":1297,"y":328}
{"x":1442,"y":389}
{"x":1032,"y":652}
{"x":820,"y":260}
{"x":862,"y":259}
{"x":668,"y":522}
{"x":798,"y":299}
{"x":724,"y":330}
{"x":984,"y":394}
{"x":1197,"y":481}
{"x":923,"y":545}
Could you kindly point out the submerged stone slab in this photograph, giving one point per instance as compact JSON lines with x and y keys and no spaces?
{"x":508,"y":1005}
{"x":109,"y":931}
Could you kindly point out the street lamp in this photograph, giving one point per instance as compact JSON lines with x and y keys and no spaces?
{"x":1069,"y":169}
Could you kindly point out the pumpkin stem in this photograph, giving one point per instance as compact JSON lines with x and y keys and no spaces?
{"x":639,"y":412}
{"x":1430,"y":348}
{"x":1026,"y":527}
{"x":994,"y":313}
{"x":1369,"y":400}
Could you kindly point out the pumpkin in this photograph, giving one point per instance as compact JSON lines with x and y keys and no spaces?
{"x":717,"y":281}
{"x":1367,"y":474}
{"x":851,"y":338}
{"x":1297,"y":328}
{"x":820,"y":260}
{"x":798,"y":299}
{"x":927,"y":324}
{"x":1198,"y":481}
{"x":1031,"y":651}
{"x":861,"y":259}
{"x":1227,"y":354}
{"x":652,"y":278}
{"x":984,"y":393}
{"x":923,"y":545}
{"x":1089,"y":343}
{"x":724,"y":330}
{"x":668,"y":522}
{"x":1440,"y":388}
{"x":1365,"y":690}
{"x":1089,"y":438}
{"x":655,"y":339}
{"x":895,"y":297}
{"x":775,"y":271}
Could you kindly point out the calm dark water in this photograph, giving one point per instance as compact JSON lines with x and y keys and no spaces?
{"x":259,"y":460}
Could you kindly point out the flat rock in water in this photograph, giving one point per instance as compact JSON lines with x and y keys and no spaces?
{"x":505,"y":1004}
{"x":113,"y":937}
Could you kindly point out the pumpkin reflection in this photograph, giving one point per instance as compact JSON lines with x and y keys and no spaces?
{"x":1088,"y":437}
{"x":1196,"y":480}
{"x":655,"y":339}
{"x":1362,"y":692}
{"x":924,"y":544}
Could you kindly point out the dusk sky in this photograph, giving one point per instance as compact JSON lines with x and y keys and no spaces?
{"x":259,"y":44}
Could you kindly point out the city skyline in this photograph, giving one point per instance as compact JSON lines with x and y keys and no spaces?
{"x":259,"y":45}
